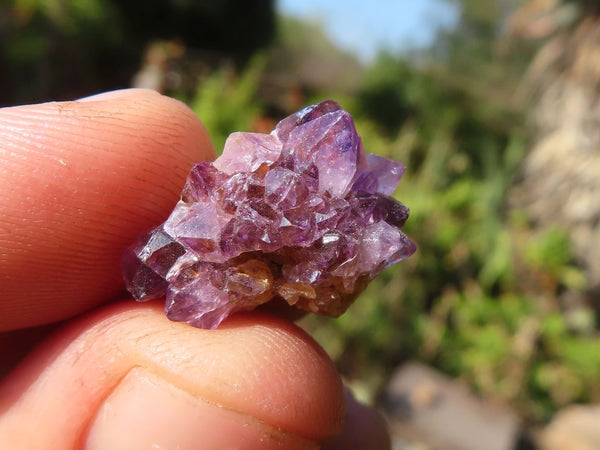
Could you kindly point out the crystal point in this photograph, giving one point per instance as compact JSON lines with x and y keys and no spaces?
{"x":301,"y":214}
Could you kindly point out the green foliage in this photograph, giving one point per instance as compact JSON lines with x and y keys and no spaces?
{"x":70,"y":17}
{"x":511,"y":347}
{"x":226,"y":102}
{"x":65,"y":49}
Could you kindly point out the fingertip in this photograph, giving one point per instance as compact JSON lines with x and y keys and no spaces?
{"x":81,"y":179}
{"x":145,"y":411}
{"x":266,"y":371}
{"x":287,"y":379}
{"x":118,"y":94}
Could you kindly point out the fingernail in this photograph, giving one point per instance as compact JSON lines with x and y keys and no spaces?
{"x":146,"y":412}
{"x":112,"y":95}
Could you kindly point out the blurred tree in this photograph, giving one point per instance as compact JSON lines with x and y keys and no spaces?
{"x":303,"y":61}
{"x":59,"y":49}
{"x":234,"y":27}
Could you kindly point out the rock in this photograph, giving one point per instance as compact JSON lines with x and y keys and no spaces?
{"x":574,"y":428}
{"x":429,"y":409}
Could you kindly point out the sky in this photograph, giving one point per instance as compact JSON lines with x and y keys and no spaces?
{"x":365,"y":26}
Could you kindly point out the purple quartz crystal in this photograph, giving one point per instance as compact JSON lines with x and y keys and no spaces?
{"x":301,"y":214}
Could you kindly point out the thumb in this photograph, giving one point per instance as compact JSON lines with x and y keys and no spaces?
{"x":128,"y":378}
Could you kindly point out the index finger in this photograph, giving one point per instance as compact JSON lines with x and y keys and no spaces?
{"x":79,"y":180}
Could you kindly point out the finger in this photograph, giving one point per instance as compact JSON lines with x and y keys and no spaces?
{"x":79,"y":181}
{"x":15,"y":344}
{"x":128,"y":378}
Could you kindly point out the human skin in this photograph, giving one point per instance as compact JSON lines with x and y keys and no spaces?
{"x":79,"y":181}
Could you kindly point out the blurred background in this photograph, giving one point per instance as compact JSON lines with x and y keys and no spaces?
{"x":488,"y":337}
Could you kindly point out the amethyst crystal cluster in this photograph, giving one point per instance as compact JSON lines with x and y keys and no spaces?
{"x":300,"y":213}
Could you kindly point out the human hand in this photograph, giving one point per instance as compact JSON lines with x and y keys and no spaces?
{"x":79,"y":181}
